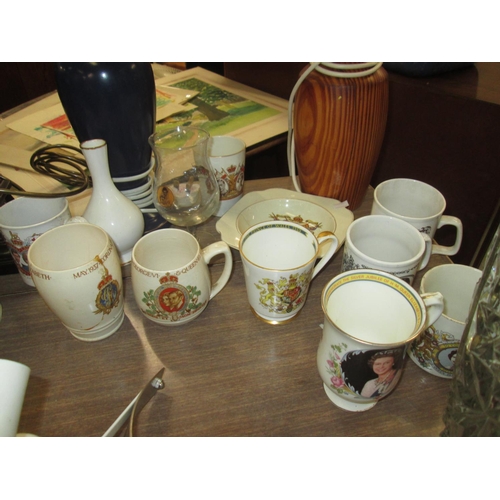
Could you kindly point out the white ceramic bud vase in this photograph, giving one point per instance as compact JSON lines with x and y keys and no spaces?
{"x":108,"y":207}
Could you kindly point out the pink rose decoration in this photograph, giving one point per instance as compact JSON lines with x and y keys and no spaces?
{"x":330,"y":362}
{"x":337,"y":381}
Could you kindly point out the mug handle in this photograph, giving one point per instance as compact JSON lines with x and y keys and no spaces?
{"x":428,"y":251}
{"x":448,"y":220}
{"x":209,"y":252}
{"x":329,"y":254}
{"x":434,"y":304}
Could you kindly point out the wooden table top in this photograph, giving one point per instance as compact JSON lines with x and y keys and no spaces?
{"x":226,"y":373}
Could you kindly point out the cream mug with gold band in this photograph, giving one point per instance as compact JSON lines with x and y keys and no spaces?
{"x":370,"y":317}
{"x":77,"y":271}
{"x":279,"y":263}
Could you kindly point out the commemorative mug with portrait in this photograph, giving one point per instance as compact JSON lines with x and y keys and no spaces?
{"x":227,"y":159}
{"x":387,"y":244}
{"x":23,"y":220}
{"x":171,"y":279}
{"x":421,"y":205}
{"x":77,"y":271}
{"x":370,"y":317}
{"x":436,"y":348}
{"x":279,"y":263}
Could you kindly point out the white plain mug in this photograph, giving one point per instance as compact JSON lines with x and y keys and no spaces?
{"x":387,"y":244}
{"x":23,"y":220}
{"x":421,"y":205}
{"x":170,"y":275}
{"x":436,"y":348}
{"x":279,"y":263}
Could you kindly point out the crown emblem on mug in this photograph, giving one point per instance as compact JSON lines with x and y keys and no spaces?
{"x":105,"y":281}
{"x":168,"y":279}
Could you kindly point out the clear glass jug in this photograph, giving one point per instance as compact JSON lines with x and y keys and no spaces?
{"x":185,"y":190}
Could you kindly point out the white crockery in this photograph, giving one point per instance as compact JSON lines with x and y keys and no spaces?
{"x":279,"y":263}
{"x":23,"y":220}
{"x":227,"y":224}
{"x":419,"y":204}
{"x":369,"y":319}
{"x":435,"y":349}
{"x":227,"y":159}
{"x":14,"y":378}
{"x":387,"y":244}
{"x":108,"y":207}
{"x":171,"y":280}
{"x":77,"y":271}
{"x":309,"y":215}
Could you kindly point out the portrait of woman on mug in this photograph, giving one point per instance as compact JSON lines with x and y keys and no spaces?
{"x":384,"y":365}
{"x":372,"y":373}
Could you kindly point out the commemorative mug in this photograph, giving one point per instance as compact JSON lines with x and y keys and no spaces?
{"x":227,"y":159}
{"x":387,"y":244}
{"x":279,"y":263}
{"x":77,"y":271}
{"x":436,"y":348}
{"x":370,"y":317}
{"x":23,"y":220}
{"x":171,"y":280}
{"x":421,"y":205}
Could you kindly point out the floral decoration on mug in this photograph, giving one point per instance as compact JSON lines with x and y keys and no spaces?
{"x":283,"y":295}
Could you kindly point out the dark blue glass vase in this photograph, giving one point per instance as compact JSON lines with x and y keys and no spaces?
{"x":115,"y":102}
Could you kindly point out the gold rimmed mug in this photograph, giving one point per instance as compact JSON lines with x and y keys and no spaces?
{"x":279,"y":263}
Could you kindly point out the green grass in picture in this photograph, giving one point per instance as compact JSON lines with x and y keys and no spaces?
{"x":218,"y":111}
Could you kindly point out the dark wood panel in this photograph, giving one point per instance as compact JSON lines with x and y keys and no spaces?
{"x":448,"y":139}
{"x":20,"y":82}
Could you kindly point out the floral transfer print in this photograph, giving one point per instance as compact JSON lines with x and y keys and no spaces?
{"x":283,"y":295}
{"x":334,"y":369}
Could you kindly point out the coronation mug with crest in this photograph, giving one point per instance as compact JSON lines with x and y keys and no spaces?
{"x":170,"y":276}
{"x":279,"y":263}
{"x":77,"y":271}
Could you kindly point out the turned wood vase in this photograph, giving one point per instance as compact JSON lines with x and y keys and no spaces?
{"x":339,"y":126}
